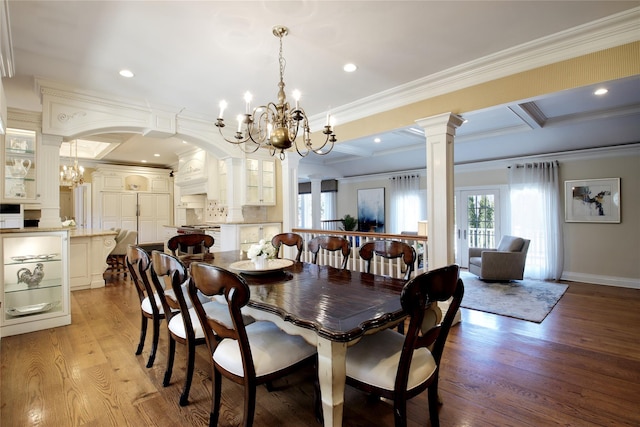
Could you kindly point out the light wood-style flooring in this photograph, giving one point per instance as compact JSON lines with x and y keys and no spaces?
{"x":580,"y":367}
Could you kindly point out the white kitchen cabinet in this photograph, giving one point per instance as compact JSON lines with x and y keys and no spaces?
{"x":19,"y":156}
{"x":35,"y":286}
{"x":142,"y":200}
{"x":147,"y":213}
{"x":241,"y":236}
{"x":260,"y":182}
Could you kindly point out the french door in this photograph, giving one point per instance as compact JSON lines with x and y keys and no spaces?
{"x":477,"y":221}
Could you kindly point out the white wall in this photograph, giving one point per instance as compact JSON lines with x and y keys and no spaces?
{"x":601,"y":253}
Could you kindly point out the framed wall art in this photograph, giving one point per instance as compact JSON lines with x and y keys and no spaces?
{"x":592,"y":200}
{"x":371,"y":210}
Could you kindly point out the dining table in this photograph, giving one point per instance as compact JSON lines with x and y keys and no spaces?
{"x":330,"y":308}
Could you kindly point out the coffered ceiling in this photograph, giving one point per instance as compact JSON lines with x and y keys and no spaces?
{"x":187,"y":56}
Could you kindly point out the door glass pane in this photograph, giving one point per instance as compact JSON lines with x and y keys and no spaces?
{"x":481,"y":218}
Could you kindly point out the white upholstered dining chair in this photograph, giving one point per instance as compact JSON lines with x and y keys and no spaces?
{"x":399,"y":367}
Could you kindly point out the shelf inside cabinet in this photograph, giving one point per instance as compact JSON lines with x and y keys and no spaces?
{"x":30,"y":310}
{"x":22,"y":287}
{"x":33,"y":259}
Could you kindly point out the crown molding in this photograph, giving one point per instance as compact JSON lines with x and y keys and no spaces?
{"x":608,"y":32}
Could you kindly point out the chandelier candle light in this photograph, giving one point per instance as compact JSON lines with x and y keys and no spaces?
{"x":276,"y":125}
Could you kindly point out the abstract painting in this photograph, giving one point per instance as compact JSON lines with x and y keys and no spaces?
{"x":592,"y":200}
{"x":371,"y":210}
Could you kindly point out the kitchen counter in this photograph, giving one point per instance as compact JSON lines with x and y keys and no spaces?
{"x":88,"y":257}
{"x":91,"y":232}
{"x":32,"y":229}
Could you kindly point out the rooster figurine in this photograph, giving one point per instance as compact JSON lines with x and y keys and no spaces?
{"x":31,"y":279}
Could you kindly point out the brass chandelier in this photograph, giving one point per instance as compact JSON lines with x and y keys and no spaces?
{"x":73,"y":174}
{"x":276,"y":125}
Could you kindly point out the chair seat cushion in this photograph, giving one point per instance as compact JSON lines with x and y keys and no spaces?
{"x":476,"y":260}
{"x":374,"y":360}
{"x":271,"y":348}
{"x":214,"y":309}
{"x":146,"y":304}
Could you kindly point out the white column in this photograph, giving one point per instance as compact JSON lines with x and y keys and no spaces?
{"x":316,"y":202}
{"x":49,"y":181}
{"x":289,"y":167}
{"x":440,"y":132}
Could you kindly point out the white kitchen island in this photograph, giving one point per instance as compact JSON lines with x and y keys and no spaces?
{"x":88,"y":259}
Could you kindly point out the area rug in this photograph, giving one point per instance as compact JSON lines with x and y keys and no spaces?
{"x":530,"y":300}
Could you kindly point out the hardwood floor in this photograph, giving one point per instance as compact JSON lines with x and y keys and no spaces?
{"x":580,"y":367}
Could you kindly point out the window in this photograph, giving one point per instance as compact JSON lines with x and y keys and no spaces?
{"x":408,"y":205}
{"x":328,"y":198}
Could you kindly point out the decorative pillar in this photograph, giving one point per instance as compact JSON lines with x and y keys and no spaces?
{"x":316,"y":201}
{"x":49,"y":181}
{"x":289,"y":167}
{"x":440,"y":131}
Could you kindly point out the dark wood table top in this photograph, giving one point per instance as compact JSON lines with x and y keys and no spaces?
{"x":340,"y":305}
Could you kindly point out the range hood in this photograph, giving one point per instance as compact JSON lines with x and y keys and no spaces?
{"x":193,"y":201}
{"x":193,"y":187}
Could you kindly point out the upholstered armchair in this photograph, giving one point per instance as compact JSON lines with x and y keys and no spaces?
{"x":506,"y":262}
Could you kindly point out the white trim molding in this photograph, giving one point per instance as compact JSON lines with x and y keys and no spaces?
{"x":622,"y":282}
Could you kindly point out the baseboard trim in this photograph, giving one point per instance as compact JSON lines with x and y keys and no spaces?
{"x":623,"y":282}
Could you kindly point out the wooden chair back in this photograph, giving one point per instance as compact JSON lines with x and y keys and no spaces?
{"x":211,"y":281}
{"x":138,"y":263}
{"x":168,"y":272}
{"x":331,"y":244}
{"x":189,"y":244}
{"x":288,"y":239}
{"x":433,"y":286}
{"x":389,"y":249}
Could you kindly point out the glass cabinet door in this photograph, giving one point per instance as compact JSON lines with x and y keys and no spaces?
{"x":35,"y":278}
{"x":20,"y":165}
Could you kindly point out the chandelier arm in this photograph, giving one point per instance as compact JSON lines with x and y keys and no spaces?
{"x":220,"y":124}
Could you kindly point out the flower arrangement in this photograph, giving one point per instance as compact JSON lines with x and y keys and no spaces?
{"x":262,"y":249}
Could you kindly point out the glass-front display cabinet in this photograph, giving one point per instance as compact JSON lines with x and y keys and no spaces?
{"x":35,"y":287}
{"x":19,"y":165}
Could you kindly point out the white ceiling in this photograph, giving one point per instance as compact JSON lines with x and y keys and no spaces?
{"x":187,"y":56}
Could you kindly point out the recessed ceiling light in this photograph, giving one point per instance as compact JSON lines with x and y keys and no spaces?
{"x":350,"y":68}
{"x":143,"y":161}
{"x":377,"y":140}
{"x":126,"y":73}
{"x":601,"y":91}
{"x":156,"y":155}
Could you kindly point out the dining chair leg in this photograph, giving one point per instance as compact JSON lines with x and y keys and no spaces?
{"x":216,"y":391}
{"x":249,"y":404}
{"x":191,"y":360}
{"x":154,"y":346}
{"x":143,"y":334}
{"x":170,"y":358}
{"x":434,"y":403}
{"x":400,"y":412}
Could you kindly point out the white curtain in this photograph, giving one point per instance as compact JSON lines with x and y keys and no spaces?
{"x":328,"y":203}
{"x":407,"y":207}
{"x":536,"y":212}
